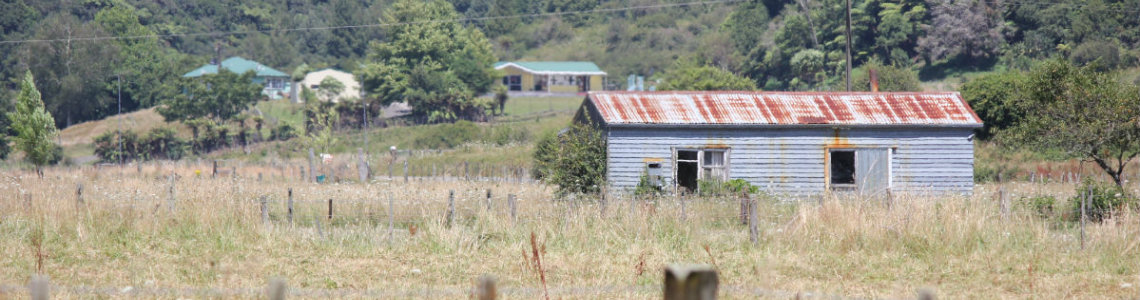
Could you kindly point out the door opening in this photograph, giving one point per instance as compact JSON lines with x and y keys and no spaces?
{"x":687,"y":169}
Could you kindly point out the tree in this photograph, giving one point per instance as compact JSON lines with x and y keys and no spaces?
{"x":143,"y":63}
{"x":438,"y":68}
{"x":687,"y":75}
{"x":993,"y":97}
{"x":330,"y":88}
{"x":219,"y":96}
{"x":745,"y":25}
{"x":574,"y":160}
{"x":892,"y":78}
{"x":73,"y":77}
{"x":963,"y":27}
{"x":34,"y":126}
{"x":1086,"y":113}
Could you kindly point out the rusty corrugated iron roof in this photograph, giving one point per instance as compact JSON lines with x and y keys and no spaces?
{"x":784,"y":108}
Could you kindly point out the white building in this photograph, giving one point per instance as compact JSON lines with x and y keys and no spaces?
{"x":351,"y":86}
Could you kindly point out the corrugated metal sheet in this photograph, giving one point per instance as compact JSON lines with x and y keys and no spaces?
{"x":784,"y":108}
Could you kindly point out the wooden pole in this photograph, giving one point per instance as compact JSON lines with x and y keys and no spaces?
{"x":264,"y":209}
{"x":330,"y":209}
{"x":690,"y":283}
{"x":486,"y":289}
{"x":40,"y":287}
{"x":312,"y":169}
{"x":320,"y":231}
{"x":362,"y":166}
{"x":488,"y":200}
{"x":276,"y":289}
{"x":290,"y":203}
{"x":390,"y":219}
{"x":171,"y":193}
{"x":753,"y":231}
{"x":405,"y":171}
{"x":78,"y":196}
{"x":682,"y":200}
{"x":513,"y":207}
{"x":450,"y":207}
{"x":1084,"y":203}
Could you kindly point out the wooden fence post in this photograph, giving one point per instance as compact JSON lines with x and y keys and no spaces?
{"x":450,"y":207}
{"x":362,"y":166}
{"x":330,"y":209}
{"x":690,"y":283}
{"x":390,"y":219}
{"x":215,"y":174}
{"x":276,"y":289}
{"x":488,"y":200}
{"x":78,"y":196}
{"x":312,"y":171}
{"x":744,"y":203}
{"x":290,"y":206}
{"x":465,"y":171}
{"x":320,"y":231}
{"x":486,"y":289}
{"x":405,"y":171}
{"x":926,"y":294}
{"x":40,"y":287}
{"x":1084,"y":208}
{"x":513,"y":206}
{"x":1002,"y":203}
{"x":682,"y":198}
{"x":265,"y":209}
{"x":753,"y":231}
{"x":171,"y":193}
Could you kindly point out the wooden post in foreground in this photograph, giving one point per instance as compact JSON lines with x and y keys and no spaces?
{"x":513,"y":206}
{"x":450,"y":207}
{"x":78,"y":196}
{"x":312,"y":171}
{"x":265,"y":209}
{"x":926,"y":294}
{"x":753,"y":231}
{"x":290,"y":204}
{"x":330,"y":209}
{"x":690,"y":283}
{"x":276,"y":289}
{"x":390,"y":220}
{"x":40,"y":287}
{"x":486,"y":289}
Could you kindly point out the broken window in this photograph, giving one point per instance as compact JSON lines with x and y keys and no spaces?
{"x":700,"y":164}
{"x":842,"y":168}
{"x":713,"y":165}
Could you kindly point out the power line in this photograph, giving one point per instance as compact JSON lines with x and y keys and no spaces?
{"x":478,"y":19}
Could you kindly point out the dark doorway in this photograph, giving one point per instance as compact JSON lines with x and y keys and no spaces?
{"x":842,"y":168}
{"x":687,"y":167}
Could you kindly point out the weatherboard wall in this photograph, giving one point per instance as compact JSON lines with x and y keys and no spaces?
{"x":792,"y":161}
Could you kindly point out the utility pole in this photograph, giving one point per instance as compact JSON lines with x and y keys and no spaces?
{"x":120,"y":116}
{"x":848,"y":38}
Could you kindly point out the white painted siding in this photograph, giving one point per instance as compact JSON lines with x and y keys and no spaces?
{"x":791,"y":161}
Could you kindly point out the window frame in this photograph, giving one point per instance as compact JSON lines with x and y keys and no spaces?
{"x":700,"y":160}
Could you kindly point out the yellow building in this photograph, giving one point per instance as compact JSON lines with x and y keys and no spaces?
{"x":562,"y":77}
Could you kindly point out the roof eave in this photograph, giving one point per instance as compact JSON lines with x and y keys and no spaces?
{"x":648,"y":125}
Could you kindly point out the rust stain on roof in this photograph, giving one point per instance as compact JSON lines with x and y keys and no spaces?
{"x":784,"y":108}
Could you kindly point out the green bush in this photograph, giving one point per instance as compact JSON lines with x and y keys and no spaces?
{"x":4,"y":147}
{"x":1042,"y":206}
{"x":1105,"y":199}
{"x":503,"y":135}
{"x":990,"y":173}
{"x":159,"y":143}
{"x":574,"y":160}
{"x":284,"y":131}
{"x":446,"y":136}
{"x":721,"y":188}
{"x":1105,"y":54}
{"x":647,"y":188}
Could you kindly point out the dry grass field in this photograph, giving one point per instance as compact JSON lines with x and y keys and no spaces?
{"x":127,"y":240}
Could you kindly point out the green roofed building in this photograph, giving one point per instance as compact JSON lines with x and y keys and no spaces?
{"x":276,"y":82}
{"x":562,"y":77}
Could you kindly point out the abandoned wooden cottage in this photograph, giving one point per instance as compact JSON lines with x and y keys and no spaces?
{"x":790,"y":143}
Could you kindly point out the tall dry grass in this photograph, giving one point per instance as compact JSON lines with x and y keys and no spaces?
{"x":126,"y":235}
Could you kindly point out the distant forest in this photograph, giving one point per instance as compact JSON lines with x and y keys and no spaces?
{"x":778,"y":44}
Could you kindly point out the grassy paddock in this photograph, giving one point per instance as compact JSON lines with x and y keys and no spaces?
{"x":126,"y":235}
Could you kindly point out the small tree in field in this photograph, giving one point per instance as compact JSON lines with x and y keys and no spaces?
{"x":574,"y":160}
{"x":1087,"y":113}
{"x":33,"y":125}
{"x":330,"y":88}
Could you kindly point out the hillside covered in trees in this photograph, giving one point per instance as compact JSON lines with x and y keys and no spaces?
{"x":777,"y":44}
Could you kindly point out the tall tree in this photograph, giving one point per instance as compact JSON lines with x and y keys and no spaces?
{"x":218,"y":96}
{"x":34,"y":126}
{"x":143,"y":63}
{"x":330,"y":88}
{"x":972,"y":28}
{"x":1086,"y":113}
{"x":437,"y":67}
{"x":73,"y":75}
